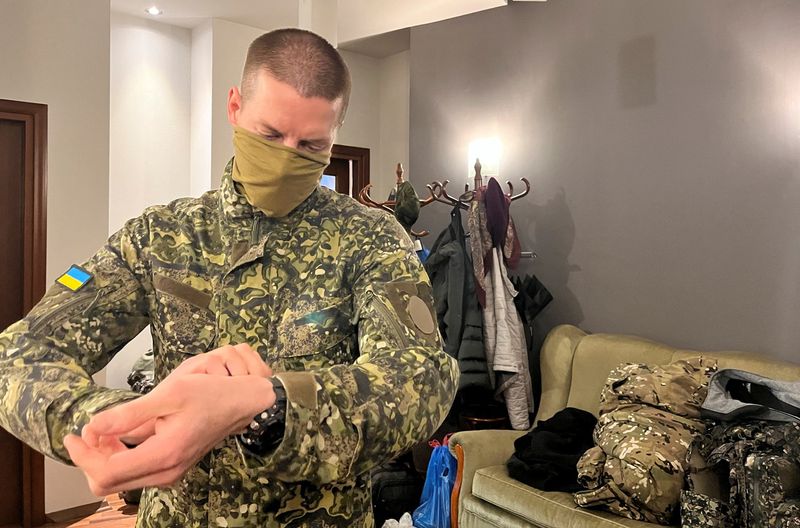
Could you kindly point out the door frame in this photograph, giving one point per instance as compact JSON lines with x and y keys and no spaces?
{"x":34,"y":118}
{"x":360,"y":158}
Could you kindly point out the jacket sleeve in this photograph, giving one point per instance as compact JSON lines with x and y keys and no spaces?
{"x":47,"y":358}
{"x":342,"y":421}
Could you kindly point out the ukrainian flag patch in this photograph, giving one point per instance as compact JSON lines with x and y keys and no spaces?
{"x":75,"y":278}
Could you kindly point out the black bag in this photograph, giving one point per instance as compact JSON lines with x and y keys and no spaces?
{"x":396,"y":489}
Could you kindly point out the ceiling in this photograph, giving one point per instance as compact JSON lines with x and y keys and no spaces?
{"x":358,"y":19}
{"x":190,"y":13}
{"x":377,"y":28}
{"x":380,"y":46}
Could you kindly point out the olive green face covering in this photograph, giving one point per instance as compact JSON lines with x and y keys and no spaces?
{"x":275,"y":178}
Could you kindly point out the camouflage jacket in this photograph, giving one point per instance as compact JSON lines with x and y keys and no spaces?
{"x":332,"y":297}
{"x":649,"y":417}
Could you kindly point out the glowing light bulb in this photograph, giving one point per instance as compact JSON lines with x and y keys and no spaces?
{"x":488,"y":150}
{"x":154,"y":11}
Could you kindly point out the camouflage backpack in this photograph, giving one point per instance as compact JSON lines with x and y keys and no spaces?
{"x":744,"y":475}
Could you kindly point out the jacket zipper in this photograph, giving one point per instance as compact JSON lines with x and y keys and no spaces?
{"x":62,"y":314}
{"x":233,"y":265}
{"x":390,"y":318}
{"x":254,"y":232}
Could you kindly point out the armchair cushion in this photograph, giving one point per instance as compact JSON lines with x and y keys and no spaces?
{"x":541,"y":508}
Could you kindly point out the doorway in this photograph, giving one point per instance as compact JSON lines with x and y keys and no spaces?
{"x":23,"y":166}
{"x":348,"y":171}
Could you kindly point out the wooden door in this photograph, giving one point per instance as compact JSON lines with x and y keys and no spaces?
{"x":23,"y":138}
{"x":339,"y":171}
{"x":350,"y":167}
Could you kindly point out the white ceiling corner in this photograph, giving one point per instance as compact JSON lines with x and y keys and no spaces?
{"x":265,"y":14}
{"x":380,"y":46}
{"x":355,"y":19}
{"x":360,"y":19}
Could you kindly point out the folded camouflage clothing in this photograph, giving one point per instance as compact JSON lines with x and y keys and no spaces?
{"x":649,"y":417}
{"x":760,"y":477}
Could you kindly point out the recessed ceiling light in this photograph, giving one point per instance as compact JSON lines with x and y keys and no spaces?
{"x":153,"y":11}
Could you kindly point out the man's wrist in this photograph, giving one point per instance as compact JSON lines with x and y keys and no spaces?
{"x":262,"y":396}
{"x":265,"y":430}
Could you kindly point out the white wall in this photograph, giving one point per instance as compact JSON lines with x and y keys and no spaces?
{"x":57,"y":53}
{"x":378,"y":116}
{"x":321,"y":17}
{"x":361,"y":126}
{"x":394,"y":121}
{"x":149,"y":133}
{"x":202,"y":87}
{"x":149,"y":115}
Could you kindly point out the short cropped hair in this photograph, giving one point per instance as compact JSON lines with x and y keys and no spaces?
{"x":303,"y":60}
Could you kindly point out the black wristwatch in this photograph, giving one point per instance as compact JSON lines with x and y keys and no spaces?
{"x":265,"y":432}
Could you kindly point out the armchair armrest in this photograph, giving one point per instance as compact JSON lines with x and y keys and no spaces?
{"x":475,"y":450}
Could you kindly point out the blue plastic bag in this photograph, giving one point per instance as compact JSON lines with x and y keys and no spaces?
{"x":434,"y":507}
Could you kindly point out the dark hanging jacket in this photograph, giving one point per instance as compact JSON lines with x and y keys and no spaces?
{"x":458,"y":313}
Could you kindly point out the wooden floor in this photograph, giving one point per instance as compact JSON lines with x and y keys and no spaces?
{"x":114,"y":513}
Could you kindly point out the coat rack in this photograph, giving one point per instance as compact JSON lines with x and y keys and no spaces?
{"x":389,"y":205}
{"x":438,"y":193}
{"x":439,"y":190}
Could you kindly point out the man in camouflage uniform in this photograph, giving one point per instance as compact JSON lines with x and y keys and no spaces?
{"x":328,"y":296}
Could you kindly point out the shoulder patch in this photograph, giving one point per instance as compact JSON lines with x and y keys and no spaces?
{"x":75,"y":278}
{"x":409,"y":306}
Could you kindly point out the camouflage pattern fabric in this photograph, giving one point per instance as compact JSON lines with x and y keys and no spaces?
{"x":649,"y":417}
{"x":762,"y":460}
{"x":406,"y":210}
{"x":773,"y":481}
{"x":332,"y":297}
{"x":702,"y":511}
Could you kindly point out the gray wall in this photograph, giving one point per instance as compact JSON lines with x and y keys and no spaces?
{"x":663,"y":142}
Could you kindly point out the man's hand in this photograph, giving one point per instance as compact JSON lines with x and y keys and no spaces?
{"x":228,"y":360}
{"x":239,"y":360}
{"x":204,"y":400}
{"x":190,"y":415}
